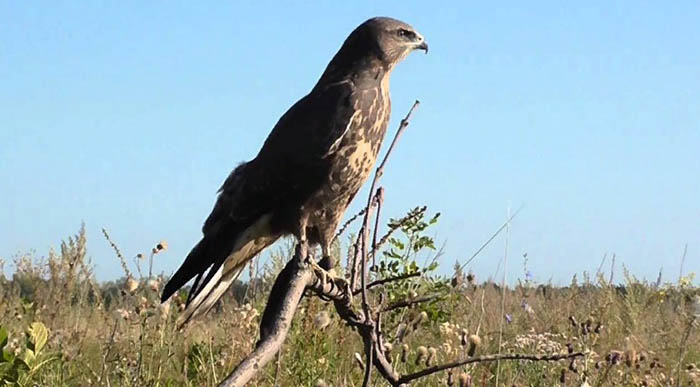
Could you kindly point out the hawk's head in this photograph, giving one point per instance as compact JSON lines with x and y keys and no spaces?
{"x":390,"y":39}
{"x":380,"y":40}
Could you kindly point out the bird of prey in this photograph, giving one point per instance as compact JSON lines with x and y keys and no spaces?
{"x":310,"y":167}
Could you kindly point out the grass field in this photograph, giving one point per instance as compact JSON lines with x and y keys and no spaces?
{"x":61,"y":327}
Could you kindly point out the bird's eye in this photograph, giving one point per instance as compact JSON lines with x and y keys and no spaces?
{"x":406,"y":34}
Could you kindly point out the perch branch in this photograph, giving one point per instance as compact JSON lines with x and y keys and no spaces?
{"x":277,"y":318}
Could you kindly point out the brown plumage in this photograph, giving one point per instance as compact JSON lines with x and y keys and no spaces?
{"x":312,"y":164}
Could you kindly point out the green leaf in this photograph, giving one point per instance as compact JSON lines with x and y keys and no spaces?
{"x":3,"y":337}
{"x":20,"y":364}
{"x":38,"y":335}
{"x":7,"y":357}
{"x":29,"y":357}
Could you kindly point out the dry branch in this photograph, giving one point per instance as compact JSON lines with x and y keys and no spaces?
{"x":487,"y":358}
{"x":277,"y":318}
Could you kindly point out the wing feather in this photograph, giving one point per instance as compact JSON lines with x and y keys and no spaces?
{"x":291,"y":165}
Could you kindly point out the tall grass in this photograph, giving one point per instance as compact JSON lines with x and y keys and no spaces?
{"x":118,"y":334}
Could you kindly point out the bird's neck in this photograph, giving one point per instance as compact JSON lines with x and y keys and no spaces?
{"x":363,"y":72}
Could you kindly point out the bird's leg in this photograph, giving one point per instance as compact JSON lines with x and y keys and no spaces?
{"x":325,"y":266}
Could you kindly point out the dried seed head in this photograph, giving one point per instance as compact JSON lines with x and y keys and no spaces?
{"x":584,"y":329}
{"x":653,"y":364}
{"x":359,"y":360}
{"x":598,"y":328}
{"x":131,"y":284}
{"x":404,"y":353}
{"x":572,"y":366}
{"x":421,"y":353}
{"x":447,"y":347}
{"x":464,"y":380}
{"x":450,"y":378}
{"x":464,"y":337}
{"x":162,"y":246}
{"x":474,"y":343}
{"x":401,"y":332}
{"x":562,"y":376}
{"x":153,"y":284}
{"x":573,"y":321}
{"x":432,"y":352}
{"x":569,"y":347}
{"x":388,"y":347}
{"x":614,"y":357}
{"x":642,"y":356}
{"x":471,"y":278}
{"x":421,"y":317}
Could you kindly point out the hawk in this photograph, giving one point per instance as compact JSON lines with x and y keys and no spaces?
{"x":310,"y":167}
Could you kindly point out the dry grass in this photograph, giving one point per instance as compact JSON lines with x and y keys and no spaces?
{"x":118,"y":334}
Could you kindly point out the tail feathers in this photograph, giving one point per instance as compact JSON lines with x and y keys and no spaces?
{"x":195,"y":264}
{"x":209,"y":293}
{"x":227,"y":259}
{"x":191,"y":295}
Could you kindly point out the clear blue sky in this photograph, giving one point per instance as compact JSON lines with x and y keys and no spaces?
{"x":129,"y":115}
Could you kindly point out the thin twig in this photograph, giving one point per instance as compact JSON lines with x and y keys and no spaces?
{"x":391,"y":279}
{"x":503,"y":298}
{"x":363,"y":237}
{"x":413,"y":215}
{"x":348,"y":223}
{"x":380,"y":201}
{"x":685,"y":252}
{"x":106,"y":355}
{"x":118,"y":252}
{"x":612,"y":269}
{"x":490,"y":239}
{"x":602,"y":262}
{"x":409,"y":303}
{"x":481,"y":359}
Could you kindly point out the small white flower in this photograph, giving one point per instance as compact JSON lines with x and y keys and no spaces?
{"x":154,"y":284}
{"x":131,"y":284}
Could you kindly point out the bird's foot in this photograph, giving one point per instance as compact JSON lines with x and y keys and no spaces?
{"x":326,"y":273}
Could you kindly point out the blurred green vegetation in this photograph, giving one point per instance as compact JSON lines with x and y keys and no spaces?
{"x":58,"y":326}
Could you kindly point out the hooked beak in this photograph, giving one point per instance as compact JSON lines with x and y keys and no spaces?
{"x":422,"y":46}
